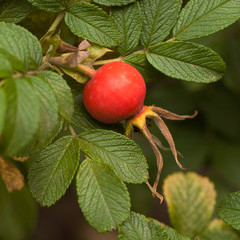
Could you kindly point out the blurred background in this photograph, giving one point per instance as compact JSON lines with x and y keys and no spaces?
{"x":210,"y":144}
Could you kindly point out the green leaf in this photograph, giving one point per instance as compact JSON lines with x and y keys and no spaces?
{"x":200,"y":18}
{"x":159,"y":17}
{"x":14,"y":10}
{"x":128,"y":20}
{"x":81,"y":118}
{"x":48,"y":110}
{"x":22,"y":116}
{"x":113,"y":2}
{"x":229,"y":210}
{"x":118,"y":151}
{"x":91,"y":22}
{"x":140,"y":62}
{"x":102,"y":196}
{"x":138,"y":227}
{"x":191,"y":200}
{"x":3,"y":108}
{"x":220,"y":231}
{"x":48,"y":5}
{"x":53,"y":169}
{"x":62,"y":93}
{"x":5,"y":67}
{"x":21,"y":45}
{"x":18,"y":214}
{"x":187,"y":61}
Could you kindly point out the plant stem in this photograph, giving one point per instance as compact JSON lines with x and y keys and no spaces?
{"x":86,"y":70}
{"x":72,"y":130}
{"x":102,"y":62}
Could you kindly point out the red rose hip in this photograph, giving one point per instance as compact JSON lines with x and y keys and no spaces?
{"x":116,"y":92}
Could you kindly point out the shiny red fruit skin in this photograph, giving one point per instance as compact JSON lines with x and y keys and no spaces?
{"x":116,"y":92}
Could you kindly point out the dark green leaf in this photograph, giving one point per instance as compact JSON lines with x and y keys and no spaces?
{"x":191,"y":200}
{"x":48,"y":5}
{"x":118,"y":151}
{"x":187,"y":61}
{"x":18,"y":214}
{"x":229,"y":210}
{"x":3,"y":108}
{"x":48,"y":111}
{"x":53,"y":169}
{"x":140,"y":62}
{"x":200,"y":18}
{"x":159,"y":17}
{"x":91,"y":22}
{"x":5,"y":67}
{"x":22,"y":116}
{"x":128,"y":20}
{"x":218,"y":230}
{"x":102,"y":196}
{"x":14,"y":10}
{"x":114,"y":2}
{"x":62,"y":93}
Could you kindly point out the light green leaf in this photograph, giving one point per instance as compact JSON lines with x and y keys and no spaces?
{"x":140,"y":62}
{"x":229,"y":210}
{"x":62,"y":93}
{"x":53,"y":169}
{"x":159,"y":17}
{"x":5,"y":67}
{"x":113,"y":2}
{"x":14,"y":10}
{"x":22,"y":116}
{"x":96,"y":52}
{"x":48,"y":110}
{"x":138,"y":227}
{"x":128,"y":20}
{"x":118,"y":151}
{"x":3,"y":108}
{"x":18,"y":214}
{"x":91,"y":22}
{"x":191,"y":200}
{"x":20,"y":44}
{"x":218,"y":230}
{"x":48,"y":5}
{"x":102,"y":196}
{"x":200,"y":18}
{"x":81,"y":118}
{"x":187,"y":61}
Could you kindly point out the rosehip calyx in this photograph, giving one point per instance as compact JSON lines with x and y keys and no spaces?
{"x":116,"y":92}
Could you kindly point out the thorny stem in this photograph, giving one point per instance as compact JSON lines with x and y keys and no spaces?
{"x":102,"y":62}
{"x":158,"y":195}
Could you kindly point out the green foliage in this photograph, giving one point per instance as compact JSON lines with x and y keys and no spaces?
{"x":200,"y":18}
{"x":5,"y":67}
{"x":122,"y":154}
{"x":159,"y":17}
{"x":187,"y":61}
{"x":89,"y":21}
{"x":229,"y":210}
{"x":130,"y":30}
{"x":102,"y":195}
{"x":48,"y":5}
{"x":114,"y":2}
{"x":3,"y":107}
{"x":14,"y":11}
{"x":53,"y":169}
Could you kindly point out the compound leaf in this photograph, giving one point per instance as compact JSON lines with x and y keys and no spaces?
{"x":229,"y":210}
{"x":128,"y":20}
{"x":48,"y":5}
{"x":102,"y":196}
{"x":5,"y":67}
{"x":53,"y":169}
{"x":187,"y":61}
{"x":91,"y":22}
{"x":159,"y":17}
{"x":14,"y":11}
{"x":191,"y":200}
{"x":118,"y":151}
{"x":62,"y":92}
{"x":22,"y":115}
{"x":113,"y":2}
{"x":200,"y":18}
